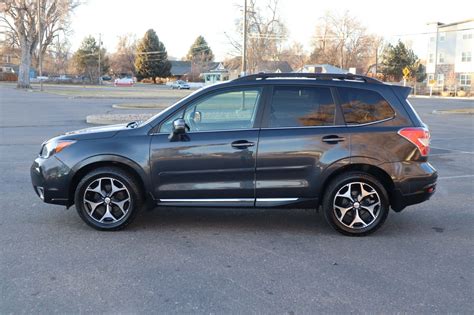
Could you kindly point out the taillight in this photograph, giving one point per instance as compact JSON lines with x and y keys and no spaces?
{"x":419,"y":137}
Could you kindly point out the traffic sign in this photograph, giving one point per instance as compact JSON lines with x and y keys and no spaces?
{"x":406,"y":72}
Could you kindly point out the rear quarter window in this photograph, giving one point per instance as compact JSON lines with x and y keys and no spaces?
{"x":364,"y":106}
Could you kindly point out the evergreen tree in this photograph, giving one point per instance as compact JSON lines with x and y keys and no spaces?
{"x":86,"y":59}
{"x":396,"y":58}
{"x":200,"y":51}
{"x":151,"y":58}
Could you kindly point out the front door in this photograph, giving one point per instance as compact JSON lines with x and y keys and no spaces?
{"x":214,"y":162}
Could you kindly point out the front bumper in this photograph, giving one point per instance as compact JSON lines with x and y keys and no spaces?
{"x":50,"y":179}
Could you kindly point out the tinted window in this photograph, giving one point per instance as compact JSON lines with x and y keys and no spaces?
{"x":302,"y":106}
{"x":222,"y":111}
{"x":363,"y":106}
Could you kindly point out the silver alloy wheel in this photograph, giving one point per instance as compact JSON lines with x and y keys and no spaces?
{"x":107,"y":200}
{"x":356,"y":205}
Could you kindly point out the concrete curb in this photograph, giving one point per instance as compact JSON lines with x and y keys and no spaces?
{"x":141,"y":106}
{"x":467,"y":98}
{"x":450,"y":112}
{"x":112,"y":119}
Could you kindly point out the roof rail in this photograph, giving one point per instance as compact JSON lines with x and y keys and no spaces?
{"x":320,"y":76}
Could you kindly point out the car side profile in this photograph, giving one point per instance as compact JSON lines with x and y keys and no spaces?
{"x":350,"y":145}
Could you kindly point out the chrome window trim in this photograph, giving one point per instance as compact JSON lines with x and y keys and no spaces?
{"x":207,"y":131}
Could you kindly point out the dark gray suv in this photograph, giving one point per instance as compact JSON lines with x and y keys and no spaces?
{"x":350,"y":145}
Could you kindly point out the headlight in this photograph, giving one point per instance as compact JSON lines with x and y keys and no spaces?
{"x":54,"y":146}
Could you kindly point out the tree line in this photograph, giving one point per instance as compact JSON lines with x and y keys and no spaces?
{"x":339,"y":39}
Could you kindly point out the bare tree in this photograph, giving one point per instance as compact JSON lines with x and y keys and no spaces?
{"x":123,"y":60}
{"x":295,"y":56}
{"x":342,"y":40}
{"x":20,"y":18}
{"x":266,"y":34}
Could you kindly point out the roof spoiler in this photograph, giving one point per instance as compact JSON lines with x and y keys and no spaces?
{"x":402,"y":91}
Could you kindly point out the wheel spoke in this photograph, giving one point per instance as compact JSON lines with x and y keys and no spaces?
{"x":343,"y":211}
{"x":121,"y":204}
{"x":107,"y":215}
{"x":364,"y":193}
{"x":93,"y":205}
{"x":357,"y":219}
{"x":347,"y":194}
{"x":115,"y":188}
{"x":97,"y":189}
{"x":371,"y":208}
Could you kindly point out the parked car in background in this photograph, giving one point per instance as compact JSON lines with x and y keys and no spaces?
{"x":124,"y":82}
{"x":350,"y":145}
{"x":180,"y":85}
{"x":106,"y":78}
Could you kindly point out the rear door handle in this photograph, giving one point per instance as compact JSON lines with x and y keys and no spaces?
{"x":242,"y":144}
{"x":333,"y":139}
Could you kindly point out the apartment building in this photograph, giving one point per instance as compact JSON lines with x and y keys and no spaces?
{"x":450,"y":59}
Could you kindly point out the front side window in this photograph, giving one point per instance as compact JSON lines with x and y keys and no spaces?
{"x":221,"y":111}
{"x":302,"y":107}
{"x":364,"y":106}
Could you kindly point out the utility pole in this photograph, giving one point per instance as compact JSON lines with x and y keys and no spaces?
{"x":40,"y":39}
{"x":244,"y":46}
{"x":100,"y":43}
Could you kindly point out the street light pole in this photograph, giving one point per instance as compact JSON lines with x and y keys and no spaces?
{"x":244,"y":46}
{"x":40,"y":39}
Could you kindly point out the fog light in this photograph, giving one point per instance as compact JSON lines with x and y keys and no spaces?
{"x":40,"y":191}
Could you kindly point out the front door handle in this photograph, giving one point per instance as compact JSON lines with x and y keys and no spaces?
{"x":333,"y":139}
{"x":242,"y":144}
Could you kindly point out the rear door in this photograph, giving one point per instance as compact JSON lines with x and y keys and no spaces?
{"x":302,"y":134}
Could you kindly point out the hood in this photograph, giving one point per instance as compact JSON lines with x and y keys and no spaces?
{"x":95,"y":132}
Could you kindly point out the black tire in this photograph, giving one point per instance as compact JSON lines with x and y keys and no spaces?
{"x":342,"y":224}
{"x":120,"y":177}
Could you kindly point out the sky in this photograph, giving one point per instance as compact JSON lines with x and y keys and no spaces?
{"x":178,"y":22}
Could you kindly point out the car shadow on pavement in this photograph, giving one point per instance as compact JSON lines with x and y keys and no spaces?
{"x":288,"y":220}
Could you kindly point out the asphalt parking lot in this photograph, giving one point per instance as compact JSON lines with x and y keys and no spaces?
{"x":226,"y":260}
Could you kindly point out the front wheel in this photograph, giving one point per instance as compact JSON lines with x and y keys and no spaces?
{"x":355,"y":204}
{"x":108,"y":198}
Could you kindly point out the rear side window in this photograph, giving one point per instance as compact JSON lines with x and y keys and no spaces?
{"x":302,"y":106}
{"x":363,"y":106}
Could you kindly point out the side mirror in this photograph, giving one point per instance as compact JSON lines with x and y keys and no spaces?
{"x":179,"y":126}
{"x":179,"y":130}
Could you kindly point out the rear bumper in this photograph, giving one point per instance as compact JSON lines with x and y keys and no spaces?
{"x":416,"y":189}
{"x":400,"y":200}
{"x":50,"y":179}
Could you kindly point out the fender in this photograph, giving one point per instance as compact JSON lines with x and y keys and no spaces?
{"x":340,"y":165}
{"x":144,"y":173}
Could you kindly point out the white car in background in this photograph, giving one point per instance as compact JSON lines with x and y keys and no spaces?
{"x":124,"y":82}
{"x":180,"y":85}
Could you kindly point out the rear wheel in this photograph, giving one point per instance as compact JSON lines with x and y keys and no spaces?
{"x":108,"y":198}
{"x":356,"y":204}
